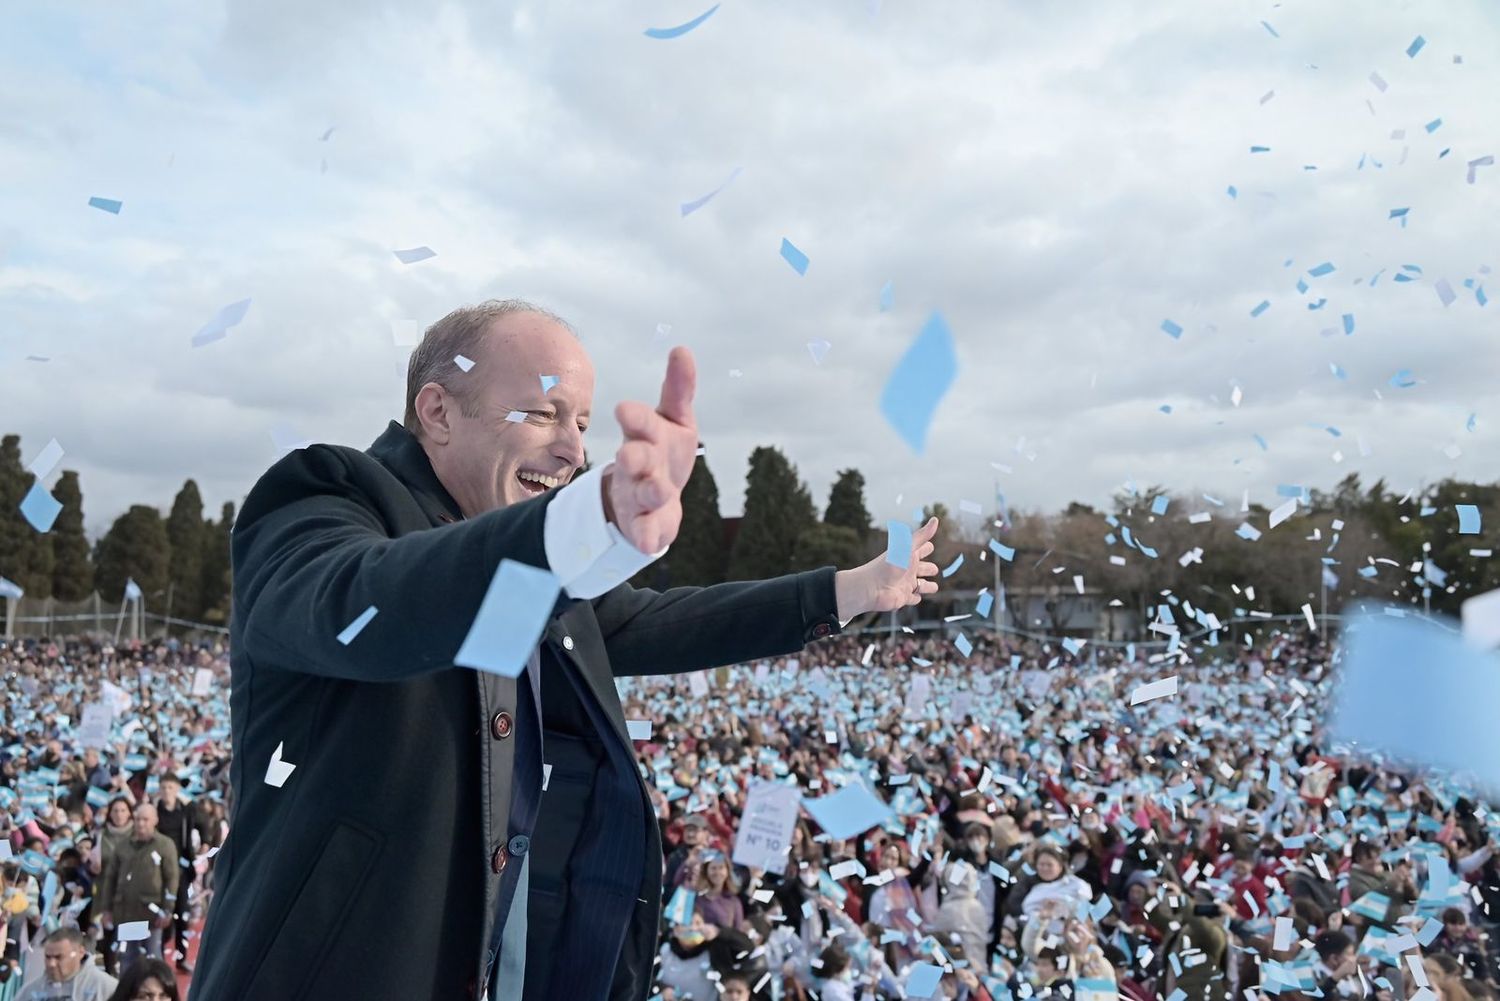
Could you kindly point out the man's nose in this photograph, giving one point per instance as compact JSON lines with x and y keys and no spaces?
{"x":569,"y":445}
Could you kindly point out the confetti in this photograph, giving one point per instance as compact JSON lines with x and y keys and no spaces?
{"x":46,"y":460}
{"x":1154,"y":690}
{"x":638,"y":729}
{"x":40,"y":508}
{"x":217,"y":327}
{"x":917,"y":385}
{"x":952,"y":568}
{"x":1444,"y":291}
{"x":1265,"y":304}
{"x":510,"y":620}
{"x":1480,"y":616}
{"x":1468,"y":519}
{"x":1378,"y":81}
{"x":819,"y":350}
{"x":688,"y":208}
{"x":1415,"y":46}
{"x":1326,"y":268}
{"x":1267,"y":26}
{"x":922,"y":982}
{"x":414,"y":255}
{"x":681,"y":29}
{"x":898,"y":544}
{"x":796,"y":258}
{"x":353,"y":629}
{"x":887,"y":296}
{"x":516,"y":416}
{"x":1283,"y":512}
{"x":548,"y":381}
{"x":278,"y":771}
{"x":109,"y":205}
{"x":464,"y":363}
{"x":1171,"y":329}
{"x":848,"y":812}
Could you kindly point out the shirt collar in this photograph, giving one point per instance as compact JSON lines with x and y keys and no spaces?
{"x":399,"y":451}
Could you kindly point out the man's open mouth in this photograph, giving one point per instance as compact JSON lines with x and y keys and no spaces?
{"x":537,"y":483}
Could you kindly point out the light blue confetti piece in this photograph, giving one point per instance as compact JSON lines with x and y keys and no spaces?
{"x":1433,"y":125}
{"x":796,"y":258}
{"x":1302,"y":286}
{"x":1213,"y":500}
{"x":1265,"y":304}
{"x":887,"y":296}
{"x":918,"y":383}
{"x":1290,"y":490}
{"x":1404,"y":278}
{"x":1267,"y":26}
{"x":40,"y":508}
{"x":1318,"y":305}
{"x":548,"y":381}
{"x":1403,"y":379}
{"x":688,"y":208}
{"x":1468,"y":519}
{"x":1348,"y":324}
{"x":1101,"y":907}
{"x":1260,"y":149}
{"x":1261,"y":442}
{"x":681,"y":29}
{"x":1415,"y":47}
{"x":109,"y":205}
{"x":1470,"y":424}
{"x":1480,"y":297}
{"x":1427,"y":511}
{"x":1414,"y":268}
{"x":898,"y":544}
{"x":1003,"y":551}
{"x":1444,"y":152}
{"x":1072,"y":645}
{"x":414,"y":255}
{"x":352,"y":629}
{"x":510,"y":620}
{"x":985,"y":603}
{"x":1165,"y":408}
{"x":1159,"y":505}
{"x":1399,"y":213}
{"x":923,"y":980}
{"x":219,"y":325}
{"x":1429,"y":932}
{"x":1171,"y":329}
{"x":1248,"y":531}
{"x":1338,"y":373}
{"x":1326,"y":268}
{"x":1427,"y":676}
{"x":1334,"y":431}
{"x":963,"y":644}
{"x":849,"y":812}
{"x":1233,"y":191}
{"x":952,"y":568}
{"x":1368,"y":572}
{"x":1444,"y":291}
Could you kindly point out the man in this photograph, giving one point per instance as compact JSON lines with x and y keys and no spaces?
{"x":694,"y":839}
{"x":401,"y":828}
{"x":176,"y":819}
{"x":69,"y":973}
{"x":140,"y":887}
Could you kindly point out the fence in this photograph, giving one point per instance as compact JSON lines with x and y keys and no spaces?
{"x":94,"y":616}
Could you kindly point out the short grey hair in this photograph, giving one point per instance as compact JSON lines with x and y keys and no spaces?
{"x":67,"y":934}
{"x":461,"y":332}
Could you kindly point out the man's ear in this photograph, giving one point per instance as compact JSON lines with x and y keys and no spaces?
{"x":435,"y":410}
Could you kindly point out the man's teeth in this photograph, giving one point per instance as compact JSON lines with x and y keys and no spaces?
{"x":547,"y":481}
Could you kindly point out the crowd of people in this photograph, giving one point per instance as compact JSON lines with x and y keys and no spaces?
{"x":113,"y":798}
{"x":1039,"y":836}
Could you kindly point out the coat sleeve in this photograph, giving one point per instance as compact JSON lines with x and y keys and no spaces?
{"x":312,"y":553}
{"x":692,"y":628}
{"x":171,"y":874}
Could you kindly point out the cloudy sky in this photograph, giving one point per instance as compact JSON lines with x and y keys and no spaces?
{"x":1052,"y":178}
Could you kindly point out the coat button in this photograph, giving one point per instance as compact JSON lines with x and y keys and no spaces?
{"x":567,"y":642}
{"x":821,"y":629}
{"x":501,"y":725}
{"x":519,"y":845}
{"x":498,"y":860}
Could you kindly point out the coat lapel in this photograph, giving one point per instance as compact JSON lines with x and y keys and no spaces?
{"x":399,"y":451}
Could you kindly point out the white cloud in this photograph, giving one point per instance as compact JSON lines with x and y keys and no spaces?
{"x":1052,"y":179}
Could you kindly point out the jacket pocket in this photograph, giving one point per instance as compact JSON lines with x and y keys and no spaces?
{"x":318,"y":912}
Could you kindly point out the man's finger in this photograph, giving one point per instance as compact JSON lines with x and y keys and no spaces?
{"x":634,"y":459}
{"x":927,"y":569}
{"x":678,"y":387}
{"x":639,"y":421}
{"x":926,"y":532}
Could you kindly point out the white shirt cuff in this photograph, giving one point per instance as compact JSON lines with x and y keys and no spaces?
{"x":585,"y":552}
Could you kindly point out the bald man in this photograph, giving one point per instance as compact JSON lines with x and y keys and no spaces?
{"x":139,"y":889}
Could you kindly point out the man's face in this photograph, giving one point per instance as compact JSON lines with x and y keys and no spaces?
{"x":62,"y":960}
{"x":145,"y":821}
{"x":487,"y":462}
{"x":735,"y":990}
{"x":693,"y":835}
{"x":169,"y":792}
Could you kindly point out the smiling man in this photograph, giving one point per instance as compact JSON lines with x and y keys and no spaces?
{"x":403,"y":828}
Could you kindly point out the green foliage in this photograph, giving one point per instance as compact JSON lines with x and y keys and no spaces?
{"x":72,"y":572}
{"x":846,"y":503}
{"x":185,"y":535}
{"x":825,"y":545}
{"x":134,"y":547}
{"x":778,"y":509}
{"x":216,"y":579}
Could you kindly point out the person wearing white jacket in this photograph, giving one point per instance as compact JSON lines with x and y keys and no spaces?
{"x":1054,"y":882}
{"x":69,"y":974}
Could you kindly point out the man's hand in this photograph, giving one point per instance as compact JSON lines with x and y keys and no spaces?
{"x":643,"y":492}
{"x":880,"y":586}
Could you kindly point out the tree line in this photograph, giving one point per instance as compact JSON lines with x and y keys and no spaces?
{"x":1354,"y":542}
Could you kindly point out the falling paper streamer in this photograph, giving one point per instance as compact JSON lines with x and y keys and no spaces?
{"x":464,"y":363}
{"x":952,"y":568}
{"x":1264,"y":305}
{"x":1154,"y":690}
{"x":1468,"y":519}
{"x":681,"y":29}
{"x":922,"y":982}
{"x":1444,"y":291}
{"x":922,"y":377}
{"x":1283,"y":512}
{"x":898,"y":544}
{"x":1378,"y":81}
{"x":216,"y":328}
{"x":1415,"y":47}
{"x":848,"y":812}
{"x":548,"y":381}
{"x":688,"y":208}
{"x":819,"y":350}
{"x":353,"y":629}
{"x":414,"y":255}
{"x":1398,"y":666}
{"x":510,"y":619}
{"x":888,"y":292}
{"x":796,"y":258}
{"x":109,"y":205}
{"x":1267,"y":26}
{"x":638,"y":729}
{"x":133,"y":931}
{"x":46,"y":460}
{"x":1171,"y":329}
{"x":40,"y":508}
{"x":278,"y":771}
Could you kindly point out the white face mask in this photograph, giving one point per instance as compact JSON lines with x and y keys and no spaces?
{"x":809,"y":879}
{"x":977,"y":847}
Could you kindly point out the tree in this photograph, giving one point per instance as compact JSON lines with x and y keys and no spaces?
{"x":778,"y":509}
{"x":185,"y":531}
{"x":216,"y":579}
{"x":698,"y":556}
{"x":822,"y":545}
{"x":72,"y":572}
{"x":15,"y":533}
{"x":846,"y":503}
{"x":134,"y":547}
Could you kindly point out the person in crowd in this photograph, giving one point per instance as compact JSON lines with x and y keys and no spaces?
{"x":683,"y":861}
{"x":140,"y":888}
{"x":718,"y":892}
{"x":176,"y":820}
{"x":1053,"y":881}
{"x":69,"y":973}
{"x":151,"y":979}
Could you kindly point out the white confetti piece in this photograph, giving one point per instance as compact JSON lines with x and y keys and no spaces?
{"x":278,"y":771}
{"x":1154,"y":690}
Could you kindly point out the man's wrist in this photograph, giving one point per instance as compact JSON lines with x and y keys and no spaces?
{"x":604,"y":487}
{"x":848,"y":597}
